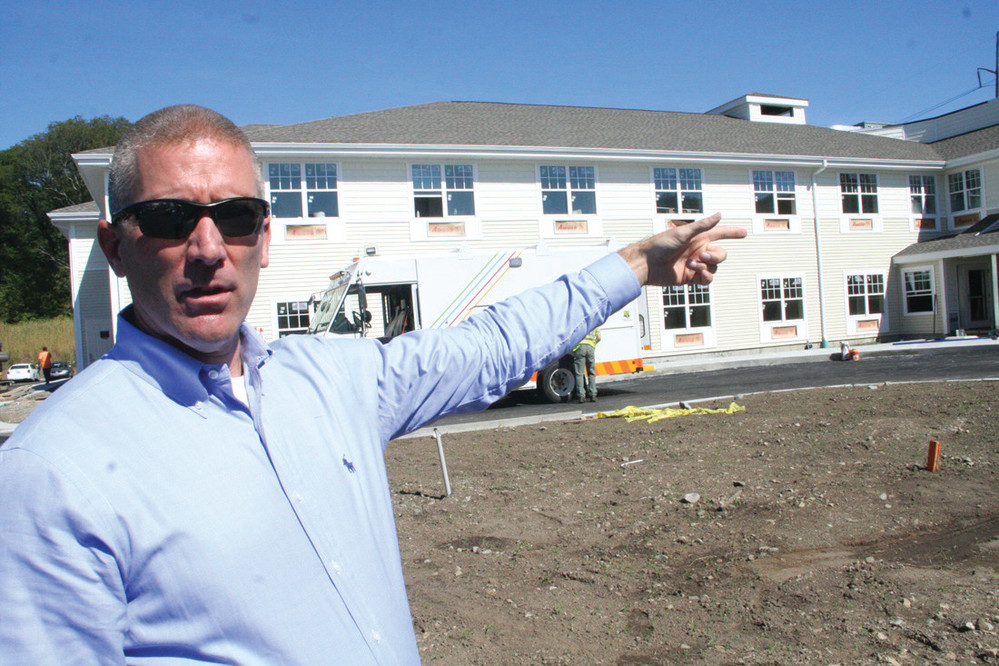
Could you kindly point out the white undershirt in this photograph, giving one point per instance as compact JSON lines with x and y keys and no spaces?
{"x":239,"y":389}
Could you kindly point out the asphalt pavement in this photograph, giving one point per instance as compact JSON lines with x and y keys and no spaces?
{"x":710,"y":378}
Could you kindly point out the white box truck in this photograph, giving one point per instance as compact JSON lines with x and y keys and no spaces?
{"x":386,"y":297}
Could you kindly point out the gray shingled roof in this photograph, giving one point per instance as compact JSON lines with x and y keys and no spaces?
{"x":497,"y":124}
{"x":971,"y":143}
{"x":967,"y":239}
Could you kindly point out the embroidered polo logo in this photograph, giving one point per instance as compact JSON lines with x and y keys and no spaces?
{"x":349,"y":465}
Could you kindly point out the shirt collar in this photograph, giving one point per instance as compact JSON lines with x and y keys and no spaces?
{"x":178,"y":375}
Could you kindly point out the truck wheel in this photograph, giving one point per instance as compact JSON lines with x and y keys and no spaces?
{"x":556,"y":383}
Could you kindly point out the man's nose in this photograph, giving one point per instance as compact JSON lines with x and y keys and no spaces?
{"x":205,"y":244}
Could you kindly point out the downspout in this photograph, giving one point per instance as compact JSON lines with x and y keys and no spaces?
{"x":818,"y":252}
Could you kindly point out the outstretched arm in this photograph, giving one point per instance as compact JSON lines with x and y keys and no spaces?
{"x":683,"y":255}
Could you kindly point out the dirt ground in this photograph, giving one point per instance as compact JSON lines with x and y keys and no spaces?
{"x":819,"y":537}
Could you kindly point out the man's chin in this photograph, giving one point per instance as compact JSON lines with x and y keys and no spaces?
{"x":209,"y":336}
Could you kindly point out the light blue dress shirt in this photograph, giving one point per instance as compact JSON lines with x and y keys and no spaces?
{"x":148,"y":516}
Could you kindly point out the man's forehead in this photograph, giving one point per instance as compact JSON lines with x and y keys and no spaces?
{"x":207,"y":156}
{"x":187,"y":148}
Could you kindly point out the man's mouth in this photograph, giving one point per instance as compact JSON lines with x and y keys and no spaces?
{"x":205,"y":291}
{"x":210,"y":296}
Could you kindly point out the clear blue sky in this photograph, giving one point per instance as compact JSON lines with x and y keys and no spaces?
{"x":291,"y":61}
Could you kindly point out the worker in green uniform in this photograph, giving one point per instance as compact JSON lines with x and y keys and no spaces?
{"x":584,"y":362}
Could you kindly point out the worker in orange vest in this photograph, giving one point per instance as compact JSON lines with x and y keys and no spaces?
{"x":45,"y":362}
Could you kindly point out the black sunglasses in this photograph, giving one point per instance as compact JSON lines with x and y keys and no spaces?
{"x":176,"y":219}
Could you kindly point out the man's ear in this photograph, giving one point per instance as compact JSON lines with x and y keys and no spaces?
{"x":265,"y":249}
{"x":107,"y":236}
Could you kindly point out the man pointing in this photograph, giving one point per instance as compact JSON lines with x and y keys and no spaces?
{"x":198,"y":495}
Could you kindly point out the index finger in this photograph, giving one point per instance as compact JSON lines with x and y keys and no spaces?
{"x":706,"y":230}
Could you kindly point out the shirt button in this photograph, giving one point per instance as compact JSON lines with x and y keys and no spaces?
{"x":298,"y":497}
{"x":213,"y":374}
{"x":336,"y":567}
{"x":375,"y":635}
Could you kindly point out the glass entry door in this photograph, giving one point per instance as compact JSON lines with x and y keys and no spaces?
{"x":976,"y":297}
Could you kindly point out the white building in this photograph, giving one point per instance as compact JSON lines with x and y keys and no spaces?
{"x":851,"y":234}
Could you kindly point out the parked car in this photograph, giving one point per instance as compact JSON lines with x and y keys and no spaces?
{"x":23,"y":372}
{"x":61,"y":370}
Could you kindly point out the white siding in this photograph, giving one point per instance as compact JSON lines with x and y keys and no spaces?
{"x":625,"y":192}
{"x":376,"y":210}
{"x":952,"y":124}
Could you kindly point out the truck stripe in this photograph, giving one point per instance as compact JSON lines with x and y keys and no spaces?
{"x":485,"y":289}
{"x":475,"y":291}
{"x":442,"y":319}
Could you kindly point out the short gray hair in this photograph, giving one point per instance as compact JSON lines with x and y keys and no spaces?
{"x":183,"y":123}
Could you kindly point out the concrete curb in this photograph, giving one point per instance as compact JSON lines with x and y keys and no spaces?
{"x":445,"y":429}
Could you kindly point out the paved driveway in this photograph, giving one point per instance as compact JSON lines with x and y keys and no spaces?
{"x":693,"y":380}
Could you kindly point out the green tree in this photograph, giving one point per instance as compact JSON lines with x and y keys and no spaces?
{"x":38,"y":175}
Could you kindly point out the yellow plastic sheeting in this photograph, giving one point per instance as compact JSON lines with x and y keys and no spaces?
{"x":651,"y":415}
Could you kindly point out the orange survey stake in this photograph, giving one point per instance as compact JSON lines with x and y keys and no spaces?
{"x":933,"y":458}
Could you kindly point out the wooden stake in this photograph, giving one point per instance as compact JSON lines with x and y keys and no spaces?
{"x":933,"y":458}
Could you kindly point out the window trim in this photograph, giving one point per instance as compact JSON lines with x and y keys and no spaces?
{"x":916,"y":219}
{"x":763,"y":222}
{"x":554,"y":225}
{"x":699,"y":337}
{"x":444,"y":190}
{"x":276,"y":303}
{"x":568,"y":190}
{"x":420,"y":228}
{"x":304,"y":189}
{"x":847,"y":221}
{"x":978,"y":210}
{"x":683,"y":216}
{"x":855,"y":322}
{"x":773,"y":331}
{"x":325,"y":229}
{"x":928,"y":268}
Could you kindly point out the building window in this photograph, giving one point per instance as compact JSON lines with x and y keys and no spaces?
{"x":678,"y":191}
{"x":292,"y":318}
{"x":557,"y":192}
{"x":783,"y":299}
{"x":687,"y":306}
{"x":290,"y":196}
{"x":866,"y":294}
{"x":774,"y":192}
{"x":965,"y":190}
{"x":923,"y":198}
{"x":859,"y":192}
{"x":918,"y":290}
{"x":434,"y":197}
{"x":923,"y":195}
